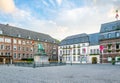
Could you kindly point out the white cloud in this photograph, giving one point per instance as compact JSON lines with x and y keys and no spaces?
{"x":59,"y":2}
{"x":52,"y":2}
{"x":85,"y":19}
{"x":44,"y":2}
{"x":7,"y":6}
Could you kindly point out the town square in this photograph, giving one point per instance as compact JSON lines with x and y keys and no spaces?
{"x":59,"y":41}
{"x":83,"y":73}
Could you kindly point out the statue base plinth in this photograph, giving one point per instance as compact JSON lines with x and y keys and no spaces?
{"x":41,"y":60}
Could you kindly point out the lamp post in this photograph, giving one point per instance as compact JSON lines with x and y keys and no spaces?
{"x":71,"y":55}
{"x":9,"y":59}
{"x":33,"y":55}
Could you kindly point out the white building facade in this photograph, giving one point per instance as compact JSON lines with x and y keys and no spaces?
{"x":94,"y":53}
{"x":76,"y":49}
{"x":75,"y":53}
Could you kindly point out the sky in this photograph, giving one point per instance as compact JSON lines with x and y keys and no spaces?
{"x":59,"y":18}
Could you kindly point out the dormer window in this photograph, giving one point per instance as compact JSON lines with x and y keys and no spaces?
{"x":28,"y":37}
{"x":1,"y":32}
{"x":19,"y":35}
{"x":106,"y":29}
{"x":45,"y":40}
{"x":38,"y":39}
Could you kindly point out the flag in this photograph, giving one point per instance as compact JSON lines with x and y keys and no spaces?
{"x":101,"y":48}
{"x":117,"y":15}
{"x":84,"y":50}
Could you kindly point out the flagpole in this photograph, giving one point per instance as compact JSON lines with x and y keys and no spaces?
{"x":101,"y":56}
{"x":101,"y":52}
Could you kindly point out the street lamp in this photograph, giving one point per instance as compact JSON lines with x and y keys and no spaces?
{"x":71,"y":55}
{"x":33,"y":54}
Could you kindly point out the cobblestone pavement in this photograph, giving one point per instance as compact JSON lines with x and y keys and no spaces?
{"x":86,"y":73}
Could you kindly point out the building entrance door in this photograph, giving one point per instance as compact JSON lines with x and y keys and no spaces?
{"x":1,"y":60}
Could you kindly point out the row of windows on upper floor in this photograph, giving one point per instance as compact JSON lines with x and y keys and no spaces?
{"x":16,"y":48}
{"x":17,"y":55}
{"x":112,"y":46}
{"x":78,"y":51}
{"x":23,"y":49}
{"x":69,"y":58}
{"x":25,"y":42}
{"x":20,"y":48}
{"x":110,"y":35}
{"x":74,"y":46}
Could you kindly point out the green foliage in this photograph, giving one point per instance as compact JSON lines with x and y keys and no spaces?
{"x":117,"y":50}
{"x":109,"y":50}
{"x":57,"y":41}
{"x":109,"y":46}
{"x":27,"y":59}
{"x":118,"y":59}
{"x":113,"y":61}
{"x":93,"y":54}
{"x":74,"y":54}
{"x":78,"y":46}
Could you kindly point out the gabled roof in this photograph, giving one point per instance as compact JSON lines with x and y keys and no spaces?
{"x":94,"y":39}
{"x":15,"y":31}
{"x":111,"y":26}
{"x":76,"y":36}
{"x":75,"y":39}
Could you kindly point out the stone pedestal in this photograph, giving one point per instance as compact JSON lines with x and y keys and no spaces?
{"x":41,"y":59}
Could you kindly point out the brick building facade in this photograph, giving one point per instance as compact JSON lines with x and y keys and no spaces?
{"x":17,"y":44}
{"x":110,"y":40}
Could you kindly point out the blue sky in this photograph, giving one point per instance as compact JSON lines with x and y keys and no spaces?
{"x":58,"y":18}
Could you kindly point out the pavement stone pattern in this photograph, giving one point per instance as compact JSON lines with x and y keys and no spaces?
{"x":83,"y":73}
